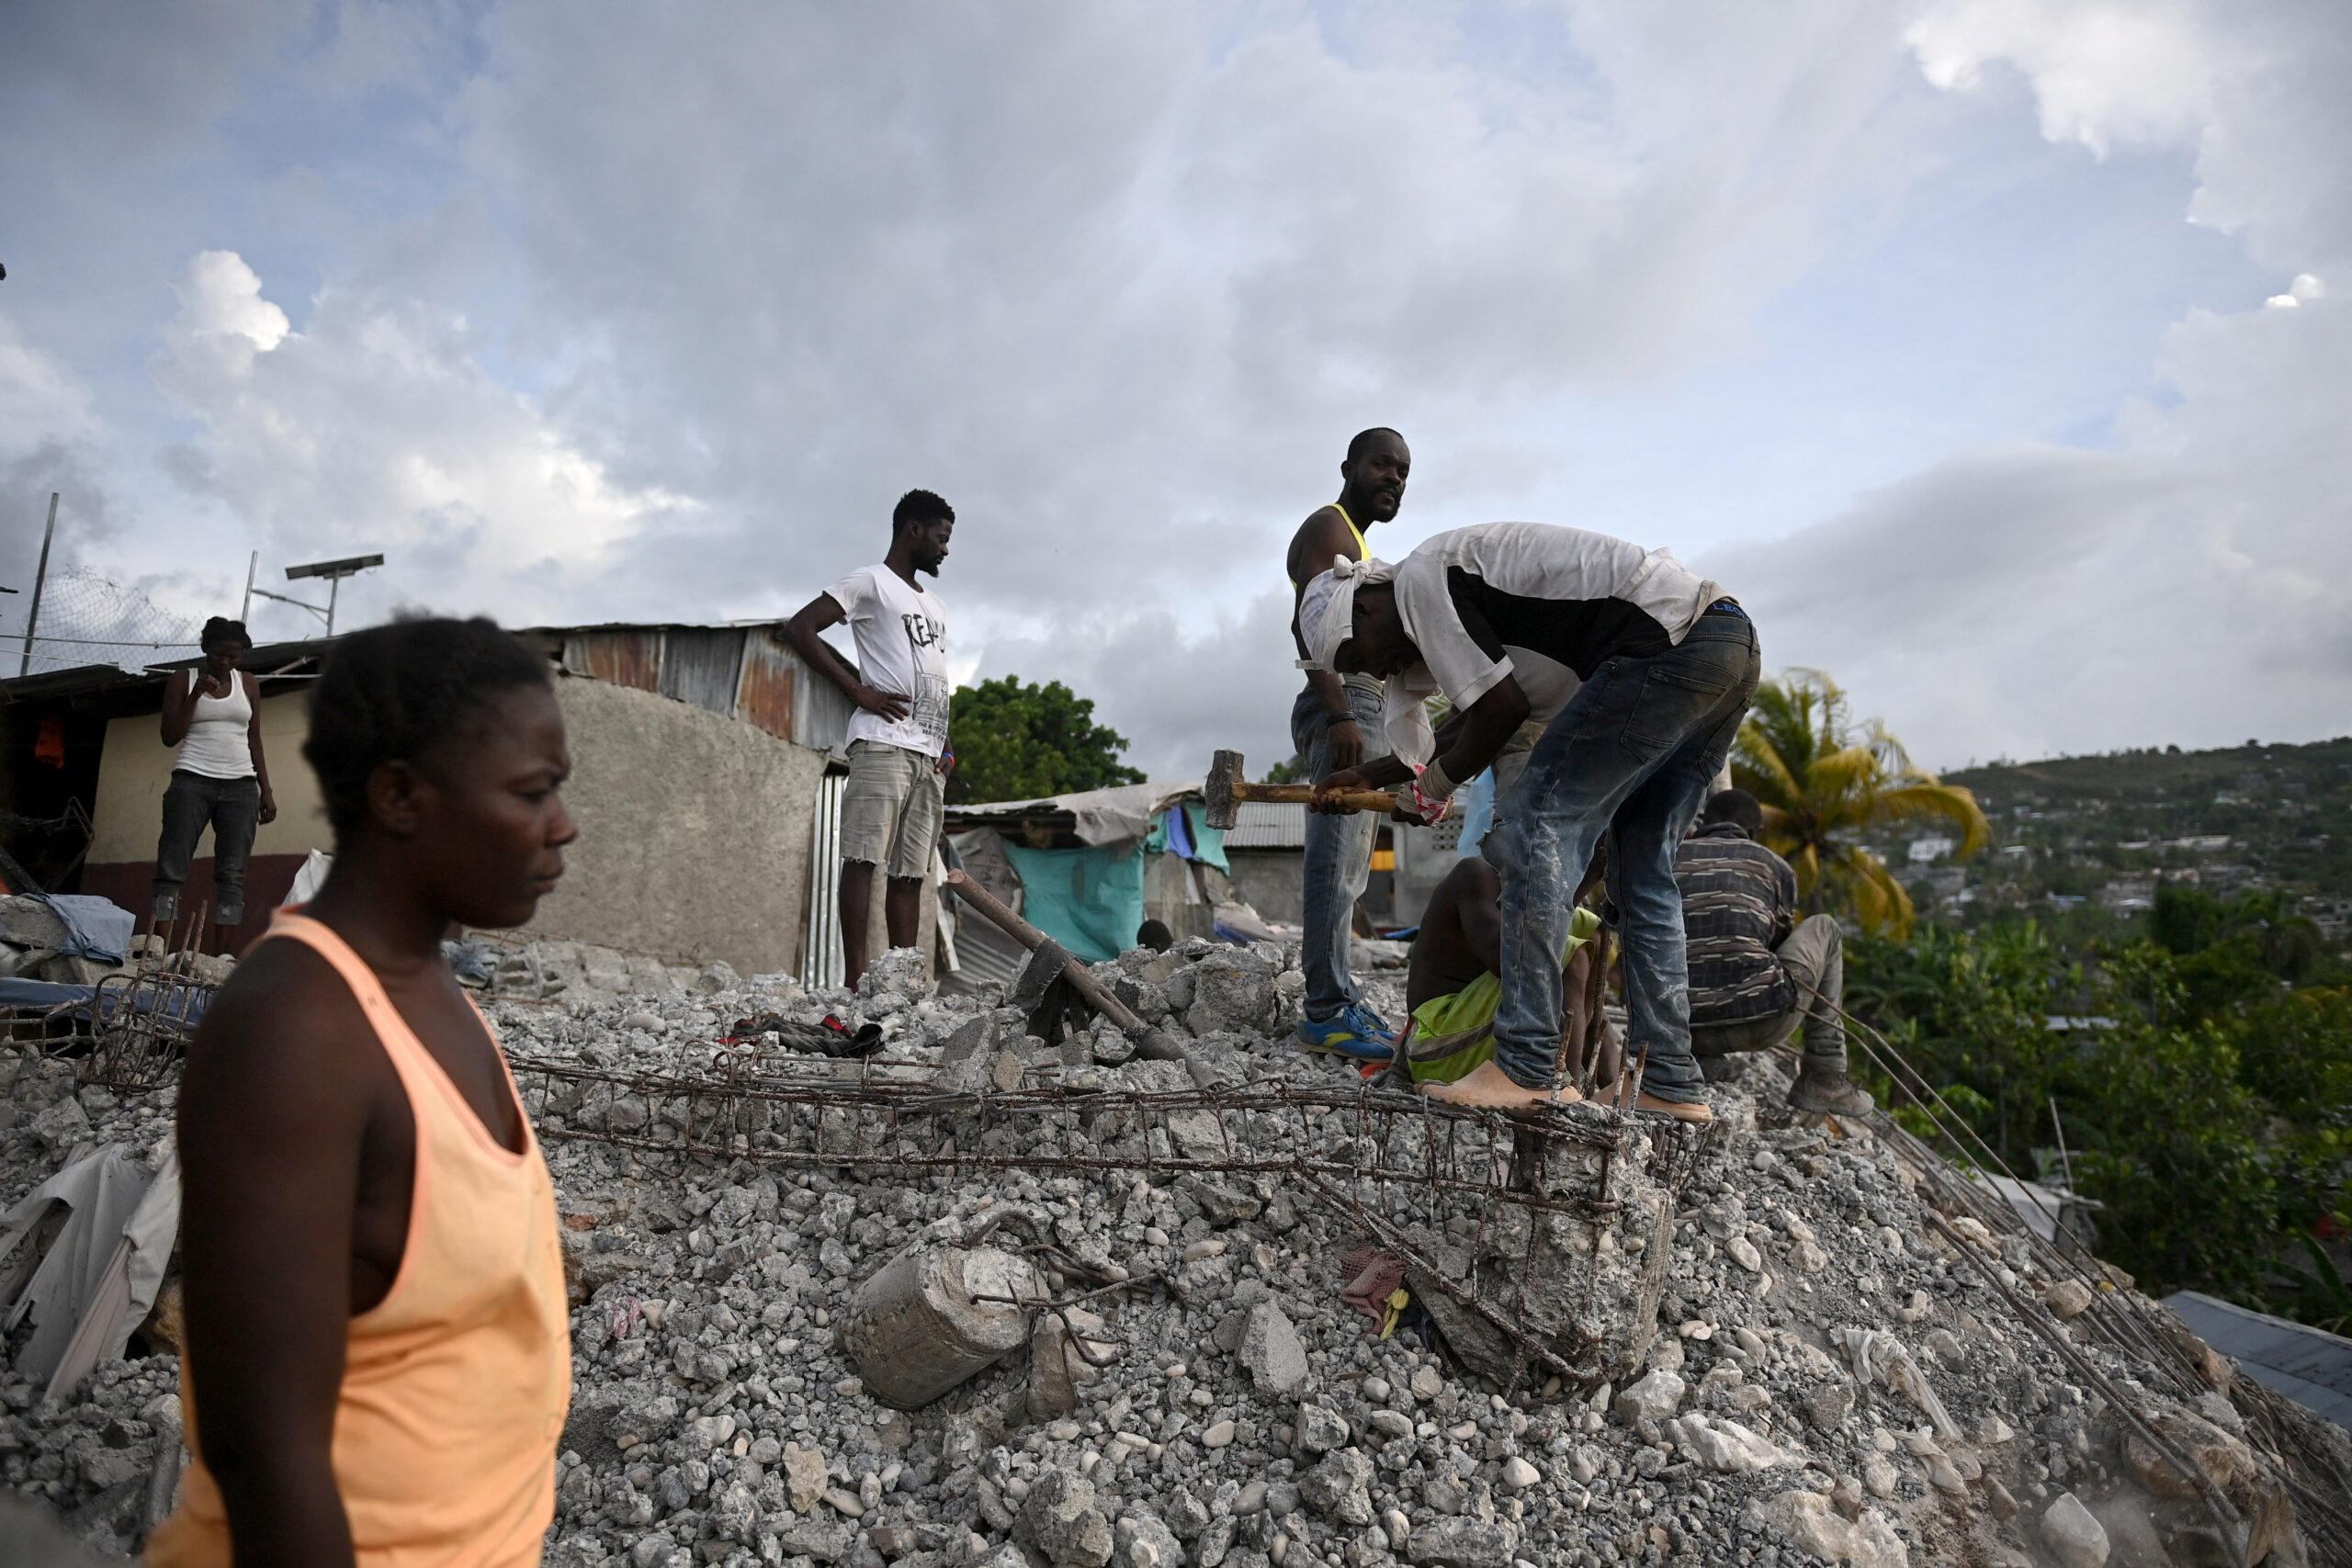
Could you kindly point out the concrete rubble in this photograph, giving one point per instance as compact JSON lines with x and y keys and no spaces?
{"x":1820,"y":1374}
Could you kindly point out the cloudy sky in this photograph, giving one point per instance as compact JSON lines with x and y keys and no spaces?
{"x":1998,"y":353}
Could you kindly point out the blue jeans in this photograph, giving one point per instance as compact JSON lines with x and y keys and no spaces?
{"x":232,"y":808}
{"x":1633,"y":757}
{"x":1339,"y":855}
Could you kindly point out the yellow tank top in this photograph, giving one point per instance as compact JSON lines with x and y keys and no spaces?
{"x":1363,"y":551}
{"x":455,"y":1386}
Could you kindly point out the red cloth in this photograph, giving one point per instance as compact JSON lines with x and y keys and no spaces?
{"x":1373,"y":1277}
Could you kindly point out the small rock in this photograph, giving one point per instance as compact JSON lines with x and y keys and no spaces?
{"x":1376,"y":1390}
{"x":804,"y":1476}
{"x":1218,"y":1436}
{"x":2068,"y":1299}
{"x":1208,"y":1246}
{"x":1391,"y":1423}
{"x":2074,"y":1537}
{"x":1519,"y":1475}
{"x":1426,"y":1384}
{"x":1813,"y":1523}
{"x":1742,"y":1252}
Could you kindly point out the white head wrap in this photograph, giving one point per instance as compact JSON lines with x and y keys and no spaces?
{"x":1327,"y":611}
{"x":1327,"y":617}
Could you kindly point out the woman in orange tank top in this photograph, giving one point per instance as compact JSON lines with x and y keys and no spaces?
{"x":378,"y":1357}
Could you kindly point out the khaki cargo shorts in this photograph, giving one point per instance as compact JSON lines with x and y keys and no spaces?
{"x":891,"y":808}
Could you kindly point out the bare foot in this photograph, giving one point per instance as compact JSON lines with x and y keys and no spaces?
{"x":1488,"y":1088}
{"x":1694,"y":1112}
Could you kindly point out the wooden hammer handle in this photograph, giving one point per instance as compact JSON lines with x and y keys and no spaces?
{"x":1378,"y":800}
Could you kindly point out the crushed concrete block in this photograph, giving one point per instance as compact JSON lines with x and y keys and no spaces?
{"x":1653,"y":1398}
{"x":1459,"y":1543}
{"x":1340,"y":1487}
{"x":1271,"y":1350}
{"x":1320,"y":1430}
{"x":2075,"y":1537}
{"x":2067,"y":1299}
{"x":1058,"y":1519}
{"x":1810,"y":1521}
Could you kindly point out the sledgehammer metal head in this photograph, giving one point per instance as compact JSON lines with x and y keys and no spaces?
{"x":1218,"y":791}
{"x":1225,"y":789}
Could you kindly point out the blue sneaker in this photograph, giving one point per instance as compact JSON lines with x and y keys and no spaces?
{"x":1355,"y":1031}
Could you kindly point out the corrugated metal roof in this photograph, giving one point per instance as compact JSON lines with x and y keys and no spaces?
{"x":1267,"y":824}
{"x":2310,"y":1366}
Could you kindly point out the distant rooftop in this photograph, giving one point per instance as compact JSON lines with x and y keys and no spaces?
{"x":2310,"y":1366}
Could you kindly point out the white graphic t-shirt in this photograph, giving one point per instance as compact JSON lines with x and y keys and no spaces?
{"x":902,"y":648}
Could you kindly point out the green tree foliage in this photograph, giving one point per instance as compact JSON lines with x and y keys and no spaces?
{"x":2206,"y":1097}
{"x":1823,"y":780}
{"x":1016,"y":741}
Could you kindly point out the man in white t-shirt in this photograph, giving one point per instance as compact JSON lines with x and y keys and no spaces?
{"x":898,"y":755}
{"x":1641,"y":671}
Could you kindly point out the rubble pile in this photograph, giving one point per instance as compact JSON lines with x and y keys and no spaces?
{"x":1782,"y":1355}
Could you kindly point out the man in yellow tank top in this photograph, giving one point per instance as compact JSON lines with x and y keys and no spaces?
{"x":1335,"y":724}
{"x":379,"y":1358}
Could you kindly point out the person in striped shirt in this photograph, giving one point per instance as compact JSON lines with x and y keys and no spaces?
{"x":1757,"y":971}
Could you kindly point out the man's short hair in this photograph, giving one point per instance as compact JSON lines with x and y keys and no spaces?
{"x":1736,"y":805}
{"x":1364,"y":439}
{"x":920,"y":506}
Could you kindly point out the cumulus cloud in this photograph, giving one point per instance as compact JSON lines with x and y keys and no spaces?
{"x":376,"y":427}
{"x":2192,"y":581}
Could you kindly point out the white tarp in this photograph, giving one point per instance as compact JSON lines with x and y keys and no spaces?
{"x":1103,"y":815}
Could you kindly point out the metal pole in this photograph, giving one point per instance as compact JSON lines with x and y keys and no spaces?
{"x":246,"y":608}
{"x":32,"y":616}
{"x":334,"y":587}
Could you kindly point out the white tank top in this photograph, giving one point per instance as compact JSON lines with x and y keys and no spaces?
{"x":216,"y":745}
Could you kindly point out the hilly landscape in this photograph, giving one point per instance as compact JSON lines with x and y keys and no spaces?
{"x":2084,"y":842}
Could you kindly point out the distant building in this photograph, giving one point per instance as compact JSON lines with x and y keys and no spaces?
{"x":2129,"y":896}
{"x":1931,"y":849}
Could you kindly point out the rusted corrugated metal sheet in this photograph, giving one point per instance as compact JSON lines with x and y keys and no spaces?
{"x":764,"y":694}
{"x":820,"y":712}
{"x":626,"y":656}
{"x":700,"y":665}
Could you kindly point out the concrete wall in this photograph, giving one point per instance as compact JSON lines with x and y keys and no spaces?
{"x":1272,"y":882}
{"x":695,"y":831}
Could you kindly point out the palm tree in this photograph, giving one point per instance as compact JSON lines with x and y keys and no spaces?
{"x":1822,"y":782}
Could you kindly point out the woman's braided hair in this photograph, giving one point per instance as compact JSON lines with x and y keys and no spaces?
{"x":394,"y":692}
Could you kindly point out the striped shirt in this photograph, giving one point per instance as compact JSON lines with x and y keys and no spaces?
{"x":1739,"y":902}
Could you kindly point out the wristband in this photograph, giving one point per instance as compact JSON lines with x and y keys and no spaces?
{"x":1435,"y":782}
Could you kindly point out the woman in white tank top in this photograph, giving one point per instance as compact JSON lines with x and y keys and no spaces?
{"x":212,"y":713}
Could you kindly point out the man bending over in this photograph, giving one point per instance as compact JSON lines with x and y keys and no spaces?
{"x":1496,"y":617}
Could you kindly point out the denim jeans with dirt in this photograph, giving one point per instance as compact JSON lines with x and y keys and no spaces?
{"x":1338,"y":853}
{"x":1632,"y":758}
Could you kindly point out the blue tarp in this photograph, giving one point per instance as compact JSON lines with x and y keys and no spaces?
{"x":44,"y":994}
{"x":95,"y":929}
{"x":1089,"y":900}
{"x":1184,"y":830}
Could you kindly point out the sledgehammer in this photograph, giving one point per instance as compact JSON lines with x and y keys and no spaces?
{"x":1152,"y":1045}
{"x":1225,"y":789}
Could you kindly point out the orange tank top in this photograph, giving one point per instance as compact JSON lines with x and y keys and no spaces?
{"x":455,"y":1386}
